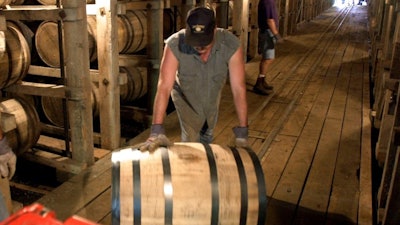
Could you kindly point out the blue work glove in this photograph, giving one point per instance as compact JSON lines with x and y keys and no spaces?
{"x":156,"y":139}
{"x":241,"y":136}
{"x":8,"y":160}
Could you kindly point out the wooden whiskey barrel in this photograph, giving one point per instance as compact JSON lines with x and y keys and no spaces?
{"x":170,"y":23}
{"x":136,"y":85}
{"x":28,"y":124}
{"x":14,"y":63}
{"x":47,"y":43}
{"x":132,"y":31}
{"x":5,"y":2}
{"x":10,"y":2}
{"x":187,"y":183}
{"x":53,"y":107}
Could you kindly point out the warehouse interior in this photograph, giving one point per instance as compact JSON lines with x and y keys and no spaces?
{"x":65,"y":116}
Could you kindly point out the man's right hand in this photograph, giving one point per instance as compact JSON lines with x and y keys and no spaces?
{"x":156,"y":139}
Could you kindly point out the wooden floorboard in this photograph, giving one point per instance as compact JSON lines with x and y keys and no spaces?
{"x":312,"y":135}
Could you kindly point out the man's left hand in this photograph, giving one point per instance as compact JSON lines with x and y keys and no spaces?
{"x":278,"y":38}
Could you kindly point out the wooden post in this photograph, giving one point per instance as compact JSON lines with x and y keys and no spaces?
{"x":395,"y":67}
{"x":154,"y":47}
{"x":392,"y":212}
{"x":78,"y":81}
{"x":5,"y":191}
{"x":286,"y":21}
{"x":222,"y":13}
{"x":388,"y":32}
{"x":107,"y":48}
{"x":381,"y":16}
{"x":294,"y":13}
{"x":240,"y":22}
{"x":253,"y":33}
{"x":301,"y":12}
{"x":185,"y":7}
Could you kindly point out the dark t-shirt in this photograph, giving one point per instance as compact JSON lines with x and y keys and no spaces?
{"x":267,"y":10}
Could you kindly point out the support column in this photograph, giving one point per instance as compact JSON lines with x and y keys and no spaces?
{"x":185,"y":7}
{"x":253,"y":32}
{"x":107,"y":48}
{"x":240,"y":22}
{"x":154,"y":47}
{"x":222,"y":13}
{"x":78,"y":84}
{"x":284,"y":31}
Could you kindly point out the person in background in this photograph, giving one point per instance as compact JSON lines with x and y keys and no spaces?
{"x":8,"y":162}
{"x":268,"y":36}
{"x":194,"y":69}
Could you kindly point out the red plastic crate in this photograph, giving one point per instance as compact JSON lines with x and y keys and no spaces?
{"x":37,"y":214}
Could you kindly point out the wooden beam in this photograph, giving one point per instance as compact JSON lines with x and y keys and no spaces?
{"x":286,"y":19}
{"x":50,"y":129}
{"x":395,"y":67}
{"x":58,"y":146}
{"x":5,"y":192}
{"x":392,"y":209}
{"x":154,"y":50}
{"x":94,"y":74}
{"x":366,"y":212}
{"x":388,"y":33}
{"x":53,"y":160}
{"x":253,"y":30}
{"x":79,"y":89}
{"x":107,"y":45}
{"x":40,"y":89}
{"x":33,"y":12}
{"x":240,"y":22}
{"x":385,"y":130}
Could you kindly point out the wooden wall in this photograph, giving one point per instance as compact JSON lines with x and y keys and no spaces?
{"x":295,"y":12}
{"x":384,"y":20}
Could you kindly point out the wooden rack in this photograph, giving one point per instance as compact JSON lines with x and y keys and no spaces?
{"x":385,"y":35}
{"x":76,"y":89}
{"x":78,"y":80}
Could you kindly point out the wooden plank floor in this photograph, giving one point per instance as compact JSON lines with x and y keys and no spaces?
{"x":312,"y":135}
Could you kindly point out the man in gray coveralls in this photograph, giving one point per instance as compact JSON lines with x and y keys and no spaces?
{"x":193,"y":71}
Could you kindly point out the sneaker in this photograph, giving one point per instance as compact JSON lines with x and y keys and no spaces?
{"x":259,"y":89}
{"x":268,"y":87}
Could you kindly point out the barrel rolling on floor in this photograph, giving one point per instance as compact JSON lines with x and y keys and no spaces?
{"x":187,"y":183}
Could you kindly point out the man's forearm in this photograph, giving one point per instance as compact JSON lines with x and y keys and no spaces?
{"x":241,"y":110}
{"x":160,"y":107}
{"x":272,"y":26}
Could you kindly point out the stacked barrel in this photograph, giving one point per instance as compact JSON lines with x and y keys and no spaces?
{"x":14,"y":65}
{"x":38,"y":43}
{"x":132,"y":38}
{"x":10,"y":2}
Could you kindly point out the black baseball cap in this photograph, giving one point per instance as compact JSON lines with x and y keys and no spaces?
{"x":200,"y":25}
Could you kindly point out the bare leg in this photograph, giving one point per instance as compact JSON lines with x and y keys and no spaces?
{"x":264,"y":65}
{"x":261,"y":86}
{"x":263,"y":68}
